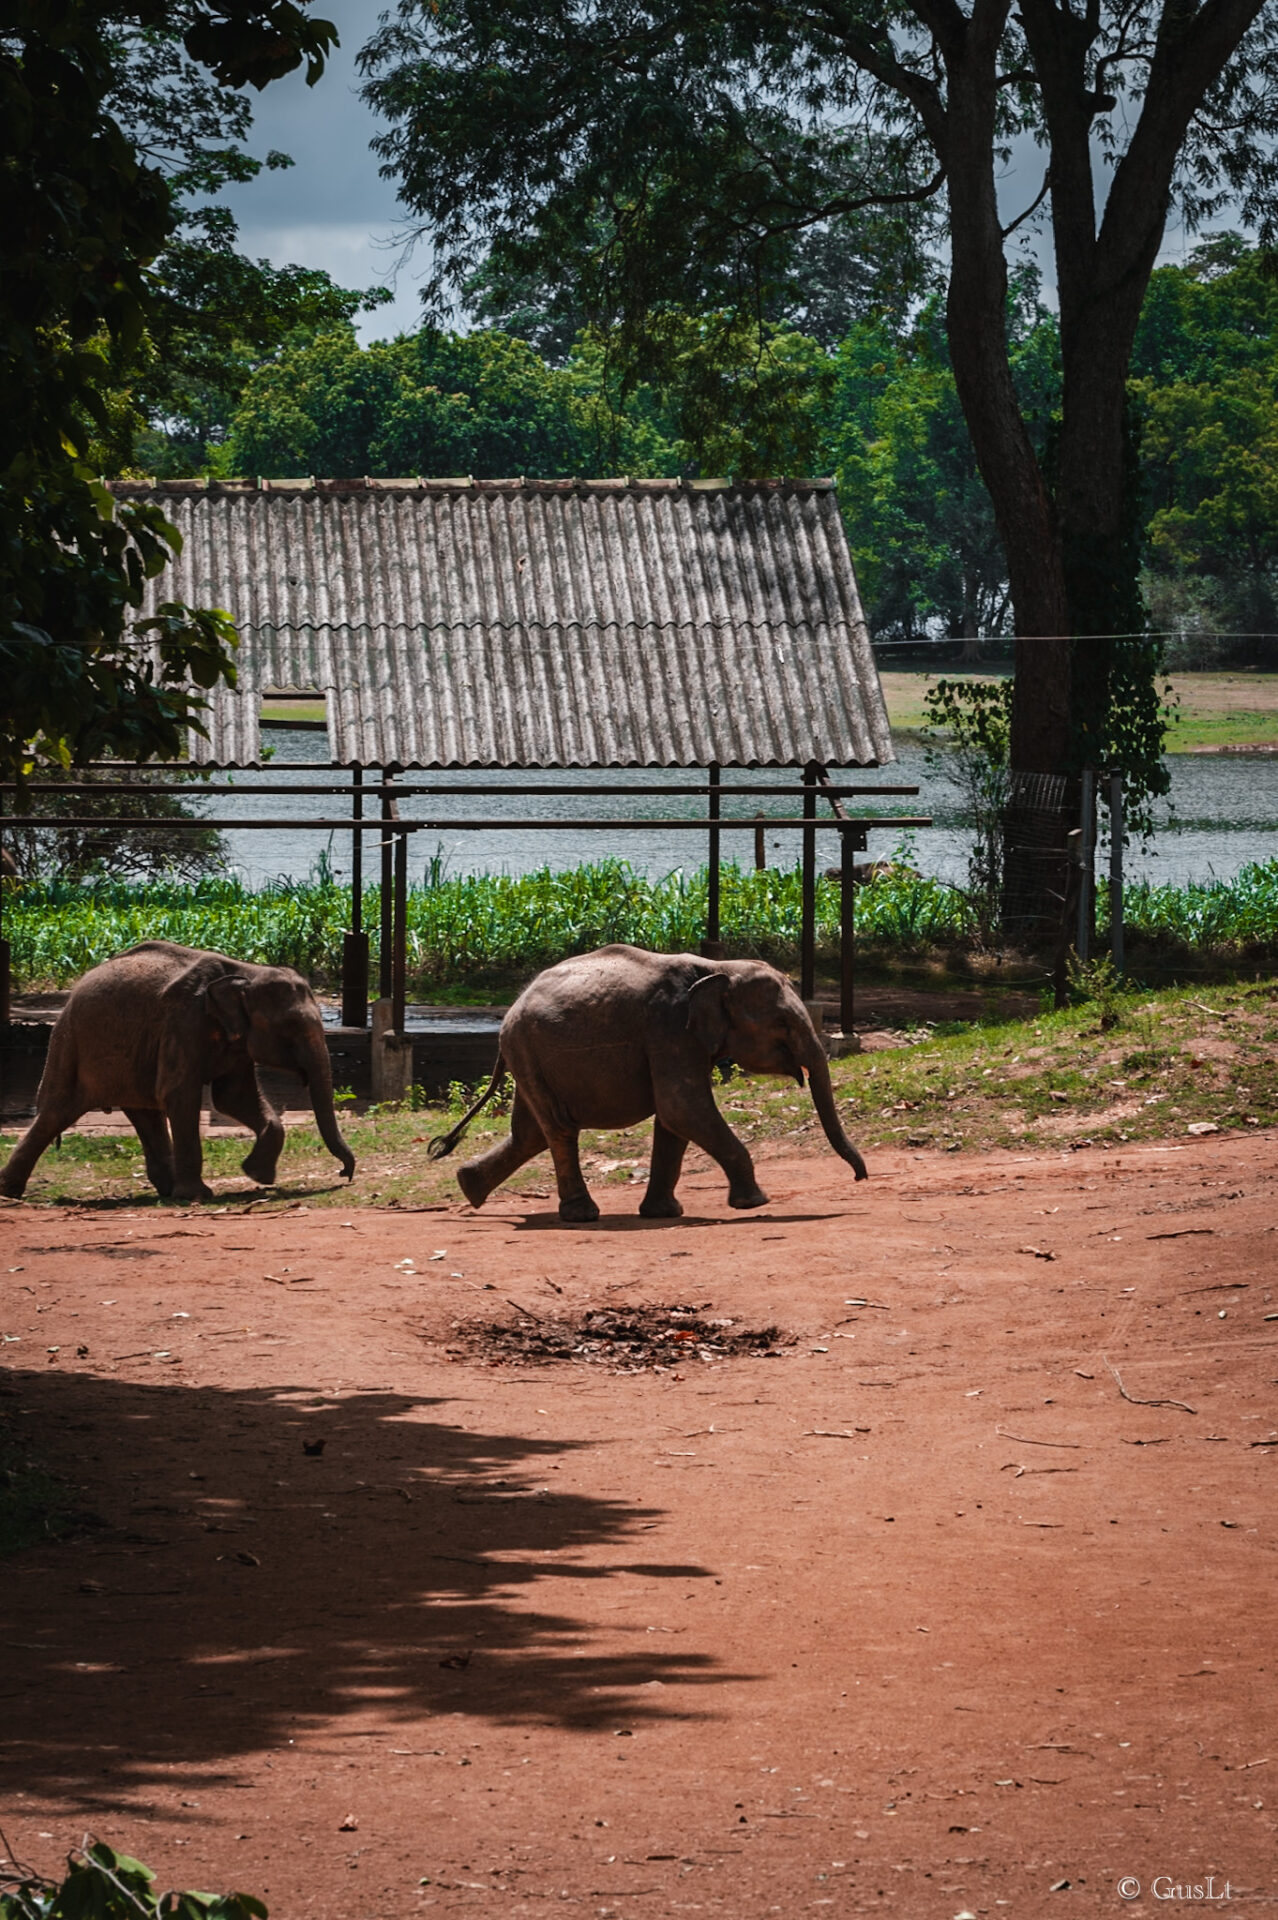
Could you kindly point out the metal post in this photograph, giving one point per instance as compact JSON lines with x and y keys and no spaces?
{"x":712,"y":905}
{"x":1116,"y":869}
{"x":6,"y":1003}
{"x":386,"y":942}
{"x":1087,"y":867}
{"x":355,"y":945}
{"x":400,"y":934}
{"x":847,"y":935}
{"x":807,"y":959}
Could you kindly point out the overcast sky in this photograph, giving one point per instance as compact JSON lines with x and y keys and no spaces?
{"x":331,"y":209}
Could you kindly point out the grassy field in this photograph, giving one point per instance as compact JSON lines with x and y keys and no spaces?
{"x":1212,"y":710}
{"x":1167,"y":1062}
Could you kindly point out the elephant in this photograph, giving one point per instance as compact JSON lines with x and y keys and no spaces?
{"x":610,"y":1037}
{"x":149,"y":1029}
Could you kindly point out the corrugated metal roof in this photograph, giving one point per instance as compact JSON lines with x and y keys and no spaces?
{"x":550,"y":624}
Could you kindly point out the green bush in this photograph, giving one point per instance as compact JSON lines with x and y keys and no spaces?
{"x":466,"y":928}
{"x":102,"y":1884}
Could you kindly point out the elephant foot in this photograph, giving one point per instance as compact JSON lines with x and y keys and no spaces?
{"x":756,"y":1198}
{"x":12,"y":1189}
{"x":472,"y":1185}
{"x":264,"y":1156}
{"x":660,"y":1207}
{"x":580,"y":1210}
{"x":192,"y":1195}
{"x":259,"y":1167}
{"x":162,"y":1182}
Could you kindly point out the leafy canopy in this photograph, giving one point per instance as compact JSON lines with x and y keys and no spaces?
{"x":83,"y":214}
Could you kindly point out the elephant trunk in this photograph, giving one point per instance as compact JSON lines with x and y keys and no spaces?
{"x":813,"y":1058}
{"x":319,"y":1078}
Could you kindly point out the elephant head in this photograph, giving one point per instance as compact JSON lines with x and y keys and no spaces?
{"x":748,"y":1012}
{"x":272,"y":1012}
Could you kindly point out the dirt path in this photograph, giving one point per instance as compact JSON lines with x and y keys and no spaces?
{"x":918,"y":1615}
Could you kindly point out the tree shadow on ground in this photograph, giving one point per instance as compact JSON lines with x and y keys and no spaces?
{"x":246,"y":1586}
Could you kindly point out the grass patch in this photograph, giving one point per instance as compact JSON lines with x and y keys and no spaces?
{"x":1201,"y":731}
{"x":1169,"y":1060}
{"x":1213,"y":710}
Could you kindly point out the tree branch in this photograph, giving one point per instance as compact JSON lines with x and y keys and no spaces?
{"x":1034,"y":205}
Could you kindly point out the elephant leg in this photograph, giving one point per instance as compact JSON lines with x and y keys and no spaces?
{"x":50,"y":1121}
{"x":152,"y":1130}
{"x":659,"y":1201}
{"x":183,"y":1109}
{"x":575,"y":1203}
{"x":693,"y":1115}
{"x":239,"y":1097}
{"x":480,"y":1176}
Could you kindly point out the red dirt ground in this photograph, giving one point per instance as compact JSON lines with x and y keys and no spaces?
{"x":922,"y":1616}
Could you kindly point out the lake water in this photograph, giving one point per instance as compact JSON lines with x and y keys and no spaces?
{"x":1221,"y":814}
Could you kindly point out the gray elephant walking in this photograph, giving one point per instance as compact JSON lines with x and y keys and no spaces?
{"x":149,"y":1030}
{"x":608,"y":1038}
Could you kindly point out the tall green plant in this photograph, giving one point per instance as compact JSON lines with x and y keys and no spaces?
{"x":969,"y":737}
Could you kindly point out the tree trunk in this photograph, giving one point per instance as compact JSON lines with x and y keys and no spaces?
{"x":1072,"y":559}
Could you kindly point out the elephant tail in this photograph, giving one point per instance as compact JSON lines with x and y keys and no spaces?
{"x":443,"y":1143}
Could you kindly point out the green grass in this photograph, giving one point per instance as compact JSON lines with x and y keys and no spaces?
{"x":1213,"y":710}
{"x":1204,"y":732}
{"x":1170,"y":1059}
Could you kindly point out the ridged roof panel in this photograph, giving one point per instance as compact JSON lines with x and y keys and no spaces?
{"x":509,"y":624}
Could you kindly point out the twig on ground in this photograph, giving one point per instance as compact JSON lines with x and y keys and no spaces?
{"x":1025,"y":1441}
{"x":1131,"y":1397}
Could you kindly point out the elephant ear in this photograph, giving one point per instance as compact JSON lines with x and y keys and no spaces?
{"x":708,"y":1012}
{"x":227,"y":1005}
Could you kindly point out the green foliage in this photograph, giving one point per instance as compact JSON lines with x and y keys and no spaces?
{"x":102,"y":1884}
{"x":743,"y":398}
{"x":969,"y":739}
{"x":590,"y":160}
{"x":1098,"y":983}
{"x":471,"y":927}
{"x":920,"y":519}
{"x":1206,"y":395}
{"x":82,"y":216}
{"x":426,"y":403}
{"x":484,"y":931}
{"x":105,"y":848}
{"x":1208,"y":916}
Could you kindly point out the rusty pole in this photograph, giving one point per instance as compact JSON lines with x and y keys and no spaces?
{"x":390,"y":807}
{"x":807,"y":937}
{"x":848,"y":838}
{"x":355,"y":945}
{"x":711,"y":945}
{"x":399,"y":935}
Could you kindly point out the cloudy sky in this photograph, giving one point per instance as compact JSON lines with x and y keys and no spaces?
{"x":331,"y":209}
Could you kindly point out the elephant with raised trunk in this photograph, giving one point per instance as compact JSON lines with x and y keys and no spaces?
{"x":149,"y":1030}
{"x":608,"y":1038}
